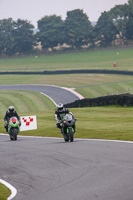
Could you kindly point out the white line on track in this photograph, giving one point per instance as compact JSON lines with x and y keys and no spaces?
{"x":64,"y":88}
{"x":49,"y":98}
{"x":79,"y":139}
{"x":13,"y":190}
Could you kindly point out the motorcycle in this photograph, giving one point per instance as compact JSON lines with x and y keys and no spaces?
{"x":68,"y":127}
{"x":13,"y":128}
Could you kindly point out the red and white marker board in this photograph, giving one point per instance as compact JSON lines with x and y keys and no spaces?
{"x":28,"y":123}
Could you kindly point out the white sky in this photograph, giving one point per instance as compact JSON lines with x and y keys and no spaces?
{"x":34,"y":10}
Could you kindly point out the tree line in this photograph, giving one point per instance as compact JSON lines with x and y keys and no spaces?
{"x":18,"y":37}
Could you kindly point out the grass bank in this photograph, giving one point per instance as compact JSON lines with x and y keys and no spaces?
{"x":112,"y":122}
{"x":98,"y":122}
{"x":4,"y":192}
{"x":89,"y":85}
{"x":79,"y":60}
{"x":24,"y":101}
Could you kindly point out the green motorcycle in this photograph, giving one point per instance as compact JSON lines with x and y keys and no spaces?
{"x":13,"y":128}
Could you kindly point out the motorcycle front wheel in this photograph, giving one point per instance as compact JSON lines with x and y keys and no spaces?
{"x":11,"y":137}
{"x":14,"y":133}
{"x":66,"y":138}
{"x":71,"y":135}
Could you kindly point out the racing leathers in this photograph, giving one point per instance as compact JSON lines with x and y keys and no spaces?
{"x":59,"y":114}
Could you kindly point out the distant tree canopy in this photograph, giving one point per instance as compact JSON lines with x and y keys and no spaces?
{"x":18,"y":37}
{"x":51,"y":31}
{"x":78,"y":28}
{"x":6,"y":36}
{"x":120,"y":15}
{"x":23,"y":36}
{"x":129,"y":25}
{"x":105,"y":30}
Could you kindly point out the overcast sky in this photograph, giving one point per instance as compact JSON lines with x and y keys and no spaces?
{"x":34,"y":10}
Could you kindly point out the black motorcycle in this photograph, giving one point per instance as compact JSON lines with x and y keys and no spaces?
{"x":68,"y":127}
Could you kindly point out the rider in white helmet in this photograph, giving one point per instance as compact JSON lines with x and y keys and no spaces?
{"x":60,"y":112}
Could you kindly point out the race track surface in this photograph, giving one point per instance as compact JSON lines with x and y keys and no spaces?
{"x":50,"y":169}
{"x":58,"y":94}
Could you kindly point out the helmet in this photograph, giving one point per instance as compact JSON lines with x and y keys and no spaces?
{"x":60,"y":106}
{"x":11,"y":108}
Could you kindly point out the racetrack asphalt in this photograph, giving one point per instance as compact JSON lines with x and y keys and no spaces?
{"x":50,"y":169}
{"x":57,"y":94}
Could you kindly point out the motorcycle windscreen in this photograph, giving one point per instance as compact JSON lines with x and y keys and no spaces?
{"x":68,"y":117}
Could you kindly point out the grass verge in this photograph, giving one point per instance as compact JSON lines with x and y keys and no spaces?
{"x":89,"y":85}
{"x":112,"y":122}
{"x":24,"y":101}
{"x":95,"y":122}
{"x":79,"y":60}
{"x":4,"y":192}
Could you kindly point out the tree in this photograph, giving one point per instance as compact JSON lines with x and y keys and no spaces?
{"x":15,"y":37}
{"x":78,"y":28}
{"x":120,"y":15}
{"x":130,"y":3}
{"x":6,"y":37}
{"x":129,"y":29}
{"x":23,"y":36}
{"x":51,"y":31}
{"x":129,"y":25}
{"x":105,"y":30}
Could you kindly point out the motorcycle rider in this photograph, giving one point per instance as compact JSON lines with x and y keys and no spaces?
{"x":10,"y":113}
{"x":60,"y":112}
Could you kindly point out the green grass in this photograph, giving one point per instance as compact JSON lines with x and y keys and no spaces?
{"x":4,"y":192}
{"x":98,"y":122}
{"x":69,"y":80}
{"x":89,"y":85}
{"x":105,"y":123}
{"x":79,"y":60}
{"x":24,"y":101}
{"x":106,"y":89}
